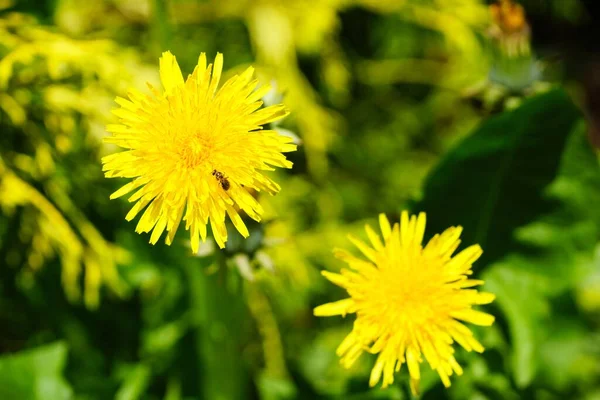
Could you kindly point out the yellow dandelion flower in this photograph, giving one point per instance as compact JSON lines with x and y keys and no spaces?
{"x":409,"y":300}
{"x":194,"y":150}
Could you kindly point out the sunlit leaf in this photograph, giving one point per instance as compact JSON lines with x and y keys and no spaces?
{"x":35,"y":374}
{"x":494,"y":181}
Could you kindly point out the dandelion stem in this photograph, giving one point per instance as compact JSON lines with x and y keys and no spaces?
{"x":161,"y":22}
{"x":220,"y":313}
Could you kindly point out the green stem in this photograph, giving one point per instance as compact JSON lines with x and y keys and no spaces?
{"x":161,"y":23}
{"x":219,"y":312}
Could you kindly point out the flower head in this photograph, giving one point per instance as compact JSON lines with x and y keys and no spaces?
{"x":510,"y":29}
{"x":409,"y":300}
{"x":194,"y":150}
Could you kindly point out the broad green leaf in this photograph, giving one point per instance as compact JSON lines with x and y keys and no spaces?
{"x":544,"y":344}
{"x":565,"y":239}
{"x":560,"y":253}
{"x":35,"y":374}
{"x":523,"y":186}
{"x":494,"y":180}
{"x":523,"y":304}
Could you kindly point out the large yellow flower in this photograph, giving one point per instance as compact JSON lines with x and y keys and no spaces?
{"x":193,"y":151}
{"x":409,"y":300}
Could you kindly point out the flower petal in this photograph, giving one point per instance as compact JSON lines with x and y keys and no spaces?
{"x":341,"y":307}
{"x":170,"y":73}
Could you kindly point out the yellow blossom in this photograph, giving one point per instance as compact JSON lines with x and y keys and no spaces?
{"x":409,"y":300}
{"x":194,"y":150}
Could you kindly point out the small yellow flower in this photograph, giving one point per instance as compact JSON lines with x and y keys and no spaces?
{"x":194,"y":150}
{"x":408,"y":300}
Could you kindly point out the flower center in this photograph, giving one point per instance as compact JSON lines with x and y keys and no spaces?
{"x":194,"y":150}
{"x":408,"y":293}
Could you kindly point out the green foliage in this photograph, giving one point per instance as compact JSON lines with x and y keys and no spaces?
{"x":385,"y":99}
{"x":494,"y":181}
{"x":35,"y":374}
{"x":523,"y":186}
{"x":535,"y":288}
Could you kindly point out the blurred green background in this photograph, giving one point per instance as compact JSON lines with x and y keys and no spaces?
{"x":483,"y":116}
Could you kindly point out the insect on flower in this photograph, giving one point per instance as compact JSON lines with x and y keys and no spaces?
{"x":175,"y":139}
{"x":222,"y":179}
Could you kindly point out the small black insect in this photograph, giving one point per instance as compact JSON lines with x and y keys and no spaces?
{"x":222,"y":179}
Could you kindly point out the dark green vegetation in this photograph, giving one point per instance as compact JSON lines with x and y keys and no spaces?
{"x":395,"y":110}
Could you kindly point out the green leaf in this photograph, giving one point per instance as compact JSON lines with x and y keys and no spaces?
{"x":568,"y":360}
{"x":493,"y":181}
{"x":135,"y":383}
{"x":523,"y":304}
{"x":35,"y":374}
{"x":273,"y":388}
{"x":565,"y":239}
{"x":321,"y":366}
{"x":560,"y":254}
{"x":525,"y":186}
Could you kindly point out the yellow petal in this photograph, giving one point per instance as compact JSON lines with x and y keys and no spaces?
{"x":485,"y":298}
{"x":170,"y":73}
{"x":376,"y":372}
{"x":348,"y":342}
{"x":474,"y":317}
{"x":216,"y":73}
{"x":420,"y":228}
{"x":366,"y":250}
{"x":414,"y":386}
{"x":158,"y":229}
{"x":336,"y":279}
{"x":384,"y":224}
{"x":258,"y":93}
{"x":412,"y":360}
{"x":374,"y":238}
{"x":341,"y":307}
{"x":463,"y":260}
{"x":202,"y":62}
